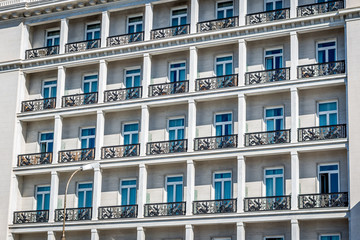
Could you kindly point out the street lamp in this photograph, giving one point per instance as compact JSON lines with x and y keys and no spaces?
{"x":82,"y":168}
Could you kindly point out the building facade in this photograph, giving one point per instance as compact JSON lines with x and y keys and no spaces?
{"x":198,"y":119}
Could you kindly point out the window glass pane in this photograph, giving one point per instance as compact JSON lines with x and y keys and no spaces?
{"x":46,"y":201}
{"x":137,"y":81}
{"x":126,"y":139}
{"x":135,"y":138}
{"x":131,"y":127}
{"x":219,"y":70}
{"x":227,"y":189}
{"x":269,"y":187}
{"x":84,"y":143}
{"x":222,"y":175}
{"x":269,"y":6}
{"x":176,"y":123}
{"x":182,"y":76}
{"x":279,"y":186}
{"x":179,"y":193}
{"x":170,"y":193}
{"x":270,"y":125}
{"x":278,"y":124}
{"x":183,"y":20}
{"x":86,"y":87}
{"x":175,"y":179}
{"x":94,"y":86}
{"x":326,"y":44}
{"x":321,"y":56}
{"x":334,"y":178}
{"x":229,"y":13}
{"x":46,"y":92}
{"x":128,"y":182}
{"x":53,"y":92}
{"x":332,"y":55}
{"x":219,"y":131}
{"x":91,"y":142}
{"x":124,"y":196}
{"x":333,"y":119}
{"x":174,"y":22}
{"x":324,"y":183}
{"x":228,"y":70}
{"x":172,"y":135}
{"x":89,"y":36}
{"x":132,"y":196}
{"x":217,"y":190}
{"x":223,"y":59}
{"x":228,"y":129}
{"x":39,"y":204}
{"x":322,"y":120}
{"x":50,"y":147}
{"x":220,"y":14}
{"x":180,"y":134}
{"x":179,"y":12}
{"x":327,"y":106}
{"x":269,"y":63}
{"x":81,"y":199}
{"x":329,"y":168}
{"x":131,"y":29}
{"x":274,"y":171}
{"x":278,"y":62}
{"x":278,"y":5}
{"x":88,"y":198}
{"x":85,"y":185}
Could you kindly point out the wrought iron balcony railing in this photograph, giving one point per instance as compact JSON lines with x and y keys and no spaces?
{"x":73,"y":214}
{"x":117,"y":212}
{"x":120,"y":151}
{"x":38,"y":105}
{"x":218,"y":24}
{"x":322,"y":133}
{"x":164,"y":209}
{"x":38,"y":216}
{"x":267,"y":203}
{"x":214,"y":206}
{"x":77,"y":155}
{"x":122,"y":94}
{"x":268,"y":16}
{"x":321,"y":69}
{"x":318,"y":8}
{"x":170,"y":31}
{"x":327,"y":200}
{"x":264,"y":138}
{"x":79,"y":99}
{"x":34,"y":159}
{"x":218,"y":142}
{"x":41,"y":52}
{"x":266,"y":76}
{"x":165,"y":147}
{"x":82,"y":45}
{"x":168,"y":88}
{"x":125,"y":39}
{"x":216,"y":82}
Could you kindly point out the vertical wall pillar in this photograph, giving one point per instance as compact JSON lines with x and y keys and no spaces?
{"x":140,"y":233}
{"x":241,"y":119}
{"x":293,"y":8}
{"x":21,"y":90}
{"x":99,"y":139}
{"x":64,"y":31}
{"x":240,"y":231}
{"x":191,"y":124}
{"x":295,"y":230}
{"x":294,"y":180}
{"x":241,"y":174}
{"x":54,"y":191}
{"x":142,"y":189}
{"x":189,"y":232}
{"x":58,"y":125}
{"x":25,"y":40}
{"x":294,"y":114}
{"x":190,"y":184}
{"x":193,"y":68}
{"x":60,"y":88}
{"x":146,"y":75}
{"x":14,"y":196}
{"x":96,"y":191}
{"x":148,"y":21}
{"x":94,"y":234}
{"x":105,"y":27}
{"x":294,"y":54}
{"x":194,"y":16}
{"x":102,"y":80}
{"x":242,"y":62}
{"x":144,"y":131}
{"x":50,"y":235}
{"x":242,"y":12}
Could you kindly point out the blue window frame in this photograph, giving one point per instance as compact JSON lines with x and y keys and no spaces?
{"x":274,"y":182}
{"x":42,"y":197}
{"x":273,"y":59}
{"x":174,"y":188}
{"x":222,"y":185}
{"x":223,"y":124}
{"x":274,"y":119}
{"x":224,"y":66}
{"x":131,"y":133}
{"x":132,"y":78}
{"x":178,"y":17}
{"x":128,"y":192}
{"x":85,"y":195}
{"x":225,"y":9}
{"x":135,"y":24}
{"x":328,"y":113}
{"x":330,"y":237}
{"x":273,"y":5}
{"x":49,"y":89}
{"x":52,"y":38}
{"x":87,"y":138}
{"x":329,"y":178}
{"x":177,"y":72}
{"x":46,"y":142}
{"x":326,"y":52}
{"x":90,"y":84}
{"x":176,"y":129}
{"x":93,"y":31}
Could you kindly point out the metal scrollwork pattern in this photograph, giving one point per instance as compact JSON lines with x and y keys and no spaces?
{"x":267,"y":203}
{"x":166,"y":147}
{"x":217,"y":142}
{"x":73,"y":214}
{"x":38,"y":105}
{"x":41,"y":52}
{"x":274,"y":75}
{"x":39,"y":216}
{"x":164,"y":209}
{"x":80,"y":99}
{"x":125,"y":39}
{"x":122,"y":94}
{"x":322,"y":133}
{"x":215,"y":206}
{"x":270,"y":137}
{"x":326,"y":200}
{"x":321,"y":69}
{"x":318,"y":8}
{"x":34,"y":159}
{"x":218,"y":24}
{"x":120,"y":151}
{"x":77,"y":155}
{"x":83,"y":45}
{"x":170,"y":31}
{"x":117,"y":212}
{"x":203,"y":84}
{"x":268,"y":16}
{"x":168,"y":88}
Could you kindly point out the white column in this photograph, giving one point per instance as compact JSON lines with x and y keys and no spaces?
{"x":60,"y":88}
{"x":94,"y":234}
{"x":241,"y":173}
{"x":54,"y":191}
{"x":241,"y":119}
{"x":99,"y":139}
{"x":189,"y":232}
{"x":142,"y":189}
{"x":102,"y":80}
{"x":294,"y":180}
{"x":148,"y":21}
{"x":105,"y":27}
{"x":240,"y":231}
{"x":14,"y":196}
{"x":242,"y":12}
{"x":190,"y":184}
{"x":146,"y":75}
{"x":194,"y":16}
{"x":140,"y":233}
{"x":96,"y":191}
{"x":294,"y":114}
{"x":191,"y":124}
{"x":50,"y":235}
{"x":242,"y":61}
{"x":25,"y":40}
{"x":144,"y":129}
{"x":293,"y":8}
{"x":193,"y":68}
{"x":295,"y":230}
{"x":64,"y":32}
{"x":294,"y":54}
{"x":58,"y":125}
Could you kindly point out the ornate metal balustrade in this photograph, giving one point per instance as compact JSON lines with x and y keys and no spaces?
{"x":122,"y":94}
{"x":318,"y":8}
{"x":217,"y":142}
{"x":321,"y":69}
{"x":274,"y":75}
{"x":82,"y":45}
{"x":120,"y":151}
{"x":164,"y":209}
{"x":73,"y":214}
{"x":270,"y":137}
{"x":322,"y":133}
{"x":80,"y":99}
{"x":35,"y":159}
{"x":77,"y":155}
{"x":168,"y":88}
{"x":267,"y":203}
{"x":125,"y":39}
{"x":218,"y":24}
{"x":166,"y":147}
{"x":327,"y":200}
{"x":38,"y":105}
{"x":39,"y":216}
{"x":170,"y":31}
{"x":117,"y":212}
{"x":268,"y":16}
{"x":216,"y":82}
{"x":214,"y":206}
{"x":41,"y":52}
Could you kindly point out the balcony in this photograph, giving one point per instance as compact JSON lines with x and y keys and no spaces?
{"x":39,"y":216}
{"x":38,"y":105}
{"x":168,"y":88}
{"x":267,"y":203}
{"x":122,"y":94}
{"x":327,"y":200}
{"x":322,"y":133}
{"x":77,"y":155}
{"x":118,"y":212}
{"x":218,"y":24}
{"x":266,"y":76}
{"x":120,"y":151}
{"x":321,"y":69}
{"x":79,"y":99}
{"x":319,"y":8}
{"x":170,"y":31}
{"x":214,"y":206}
{"x":164,"y":209}
{"x":125,"y":39}
{"x":165,"y":147}
{"x":268,"y":16}
{"x":218,"y":142}
{"x":265,"y":138}
{"x":34,"y":159}
{"x":210,"y":83}
{"x":82,"y":45}
{"x":73,"y":214}
{"x":41,"y":52}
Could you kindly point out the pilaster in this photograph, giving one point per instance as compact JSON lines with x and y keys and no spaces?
{"x":142,"y":189}
{"x":96,"y":192}
{"x":190,"y":185}
{"x":148,"y":21}
{"x":54,"y":192}
{"x":64,"y":32}
{"x":193,"y":68}
{"x":105,"y":27}
{"x":99,"y":137}
{"x":294,"y":180}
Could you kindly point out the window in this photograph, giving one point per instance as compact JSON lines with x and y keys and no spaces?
{"x":87,"y":138}
{"x":178,"y":17}
{"x":128,"y":192}
{"x":224,"y":66}
{"x":223,"y":124}
{"x":132,"y":78}
{"x":273,"y":59}
{"x":131,"y":133}
{"x":225,"y":9}
{"x":84,"y":195}
{"x":329,"y":178}
{"x":222,"y":238}
{"x":326,"y":52}
{"x":274,"y":182}
{"x":52,"y":38}
{"x":49,"y":89}
{"x":42,"y":197}
{"x":330,"y":237}
{"x":90,"y":84}
{"x":174,"y":188}
{"x":274,"y":119}
{"x":135,"y":24}
{"x":222,"y":185}
{"x":93,"y":31}
{"x":273,"y":5}
{"x":176,"y":129}
{"x":177,"y":72}
{"x":274,"y":238}
{"x":46,"y":142}
{"x":328,"y":113}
